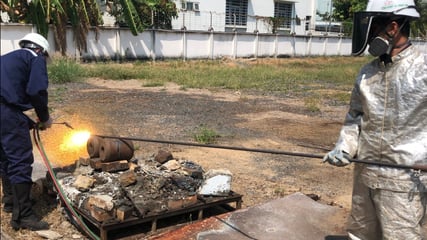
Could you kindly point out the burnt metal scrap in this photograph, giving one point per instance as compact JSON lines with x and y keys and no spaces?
{"x":146,"y":189}
{"x":107,"y":188}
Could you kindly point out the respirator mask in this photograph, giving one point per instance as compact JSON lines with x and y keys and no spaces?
{"x":380,"y":46}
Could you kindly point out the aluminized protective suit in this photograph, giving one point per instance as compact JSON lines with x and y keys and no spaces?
{"x":387,"y":122}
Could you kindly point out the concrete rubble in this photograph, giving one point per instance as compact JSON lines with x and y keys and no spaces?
{"x":121,"y":189}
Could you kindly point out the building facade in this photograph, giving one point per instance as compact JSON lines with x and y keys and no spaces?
{"x":262,"y":16}
{"x":297,"y":17}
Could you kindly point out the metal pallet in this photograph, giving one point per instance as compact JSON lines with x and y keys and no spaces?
{"x":202,"y":204}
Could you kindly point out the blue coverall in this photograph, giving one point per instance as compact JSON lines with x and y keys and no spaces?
{"x":24,"y":84}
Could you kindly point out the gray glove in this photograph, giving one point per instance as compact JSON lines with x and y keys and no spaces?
{"x":337,"y":157}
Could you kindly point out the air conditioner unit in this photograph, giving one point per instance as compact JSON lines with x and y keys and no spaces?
{"x":196,"y":7}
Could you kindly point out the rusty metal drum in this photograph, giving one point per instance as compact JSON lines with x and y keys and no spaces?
{"x":115,"y":149}
{"x":93,"y":145}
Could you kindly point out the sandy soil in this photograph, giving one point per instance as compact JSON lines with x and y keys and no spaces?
{"x":243,"y":119}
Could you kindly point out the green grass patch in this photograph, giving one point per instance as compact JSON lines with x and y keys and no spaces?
{"x":64,"y":70}
{"x":311,"y":103}
{"x":205,"y":135}
{"x":298,"y":76}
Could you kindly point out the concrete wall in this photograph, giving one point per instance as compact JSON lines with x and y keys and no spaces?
{"x":116,"y":43}
{"x":160,"y":44}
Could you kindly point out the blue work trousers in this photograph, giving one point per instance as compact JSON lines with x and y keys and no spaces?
{"x":16,"y":146}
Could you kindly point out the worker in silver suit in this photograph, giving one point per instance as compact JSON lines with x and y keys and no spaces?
{"x":386,"y":123}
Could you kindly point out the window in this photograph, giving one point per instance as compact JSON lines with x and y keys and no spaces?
{"x":283,"y":10}
{"x":236,"y":12}
{"x":190,"y":6}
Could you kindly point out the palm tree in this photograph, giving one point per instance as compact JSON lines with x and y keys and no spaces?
{"x":81,"y":15}
{"x":139,"y":15}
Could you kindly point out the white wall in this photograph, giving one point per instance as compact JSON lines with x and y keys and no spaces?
{"x":116,"y":43}
{"x":158,"y":44}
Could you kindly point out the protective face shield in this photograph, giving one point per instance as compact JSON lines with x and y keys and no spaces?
{"x":363,"y":25}
{"x":362,"y":22}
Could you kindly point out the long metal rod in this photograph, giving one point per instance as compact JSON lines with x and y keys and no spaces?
{"x":297,"y":154}
{"x":270,"y":151}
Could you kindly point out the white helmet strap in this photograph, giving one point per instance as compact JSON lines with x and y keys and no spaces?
{"x":31,"y":45}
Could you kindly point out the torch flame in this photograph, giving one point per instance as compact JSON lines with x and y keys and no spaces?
{"x":75,"y":140}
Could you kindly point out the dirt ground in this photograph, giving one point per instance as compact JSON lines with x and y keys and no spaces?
{"x":247,"y":119}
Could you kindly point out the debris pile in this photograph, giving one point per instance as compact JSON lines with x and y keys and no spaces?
{"x":112,"y":185}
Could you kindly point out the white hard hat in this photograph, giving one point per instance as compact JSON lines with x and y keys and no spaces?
{"x":395,"y":7}
{"x":37,"y":39}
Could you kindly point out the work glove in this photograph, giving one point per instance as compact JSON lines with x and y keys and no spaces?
{"x":31,"y":123}
{"x":45,"y":125}
{"x":337,"y":157}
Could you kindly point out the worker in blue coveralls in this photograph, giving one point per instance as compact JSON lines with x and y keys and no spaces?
{"x":24,"y":84}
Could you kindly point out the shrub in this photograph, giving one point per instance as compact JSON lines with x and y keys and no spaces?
{"x":205,"y":135}
{"x":64,"y":70}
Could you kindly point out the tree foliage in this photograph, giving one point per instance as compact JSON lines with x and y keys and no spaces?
{"x":344,"y":9}
{"x":419,"y":27}
{"x":142,"y":14}
{"x":82,"y":15}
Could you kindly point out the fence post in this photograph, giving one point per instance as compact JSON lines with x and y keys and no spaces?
{"x":184,"y":45}
{"x":276,"y":45}
{"x":339,"y":46}
{"x":256,"y":45}
{"x":211,"y":45}
{"x":293,"y":43}
{"x":308,"y":46}
{"x":77,"y":52}
{"x":117,"y":47}
{"x":325,"y":44}
{"x":234,"y":49}
{"x":153,"y":45}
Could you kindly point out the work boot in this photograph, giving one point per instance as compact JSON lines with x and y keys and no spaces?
{"x":7,"y":195}
{"x":23,"y":215}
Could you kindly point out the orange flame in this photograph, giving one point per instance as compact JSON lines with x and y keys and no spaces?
{"x":76,"y":140}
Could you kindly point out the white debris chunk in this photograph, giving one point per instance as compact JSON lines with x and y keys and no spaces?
{"x":49,"y":234}
{"x":216,"y":182}
{"x":70,"y":191}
